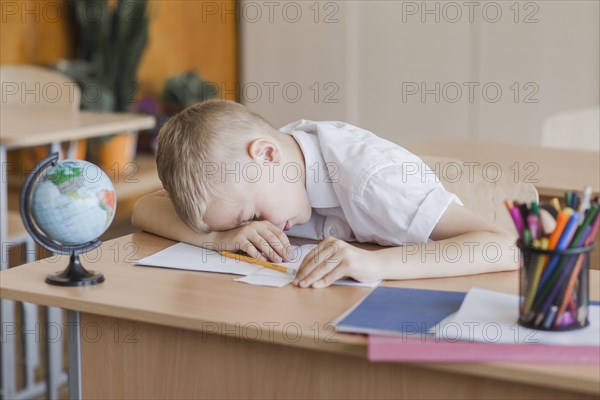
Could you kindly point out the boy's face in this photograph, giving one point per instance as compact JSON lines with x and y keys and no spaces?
{"x":270,"y":186}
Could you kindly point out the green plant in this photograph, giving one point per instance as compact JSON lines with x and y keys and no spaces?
{"x":109,"y":50}
{"x":185,"y":89}
{"x":110,"y":44}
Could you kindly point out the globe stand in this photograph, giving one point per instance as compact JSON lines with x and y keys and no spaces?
{"x":75,"y":275}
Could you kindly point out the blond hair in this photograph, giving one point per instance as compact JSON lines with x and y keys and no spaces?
{"x":189,"y":141}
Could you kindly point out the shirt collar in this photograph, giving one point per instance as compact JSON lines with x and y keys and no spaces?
{"x":318,"y":182}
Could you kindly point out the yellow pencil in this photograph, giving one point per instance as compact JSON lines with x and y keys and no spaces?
{"x":252,"y":260}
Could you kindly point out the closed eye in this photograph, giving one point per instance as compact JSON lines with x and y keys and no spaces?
{"x":254,"y":218}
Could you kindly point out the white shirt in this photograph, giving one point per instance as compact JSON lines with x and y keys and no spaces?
{"x":364,"y":188}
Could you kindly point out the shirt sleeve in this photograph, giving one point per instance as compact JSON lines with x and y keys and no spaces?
{"x":402,"y":203}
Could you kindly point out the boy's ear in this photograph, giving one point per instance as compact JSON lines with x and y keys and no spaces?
{"x":264,"y":150}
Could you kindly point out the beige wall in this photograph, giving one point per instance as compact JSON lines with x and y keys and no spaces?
{"x":377,"y":51}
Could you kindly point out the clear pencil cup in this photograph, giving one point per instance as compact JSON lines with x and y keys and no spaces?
{"x":554,"y":288}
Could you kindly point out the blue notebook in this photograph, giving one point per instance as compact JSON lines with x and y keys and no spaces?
{"x":397,"y":310}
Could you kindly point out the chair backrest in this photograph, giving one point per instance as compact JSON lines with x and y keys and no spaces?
{"x":481,"y":191}
{"x":31,"y":85}
{"x":578,"y":129}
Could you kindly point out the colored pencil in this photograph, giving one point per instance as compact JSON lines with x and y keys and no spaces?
{"x":555,"y":295}
{"x":536,"y":278}
{"x":556,"y":204}
{"x":570,"y":285}
{"x":265,"y":264}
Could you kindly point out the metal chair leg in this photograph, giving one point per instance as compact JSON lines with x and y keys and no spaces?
{"x":54,"y":328}
{"x":74,"y":346}
{"x":9,"y":332}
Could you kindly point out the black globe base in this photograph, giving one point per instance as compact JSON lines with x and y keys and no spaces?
{"x":75,"y":275}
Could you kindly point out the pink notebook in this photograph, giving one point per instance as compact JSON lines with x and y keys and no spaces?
{"x":393,"y":348}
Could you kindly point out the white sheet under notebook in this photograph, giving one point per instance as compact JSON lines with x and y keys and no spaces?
{"x":491,"y":317}
{"x":193,"y":258}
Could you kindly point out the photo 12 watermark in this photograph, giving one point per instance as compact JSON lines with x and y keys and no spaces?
{"x":126,"y":332}
{"x":269,"y":331}
{"x":66,"y":92}
{"x":451,"y":331}
{"x":272,"y":12}
{"x":126,"y":252}
{"x":470,"y":92}
{"x":448,"y":251}
{"x":325,"y":92}
{"x":452,"y":12}
{"x":53,"y":12}
{"x":119,"y":172}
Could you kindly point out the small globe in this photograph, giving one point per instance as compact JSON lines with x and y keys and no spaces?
{"x":65,"y":206}
{"x":73,"y":202}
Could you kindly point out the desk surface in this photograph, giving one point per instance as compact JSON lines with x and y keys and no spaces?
{"x":552,"y":171}
{"x":31,"y":126}
{"x":215,"y":303}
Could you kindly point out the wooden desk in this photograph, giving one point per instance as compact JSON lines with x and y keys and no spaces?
{"x":552,"y":171}
{"x":24,"y":126}
{"x":160,"y":333}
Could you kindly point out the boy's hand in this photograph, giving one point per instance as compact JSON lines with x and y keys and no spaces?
{"x":257,"y":238}
{"x":334,"y":259}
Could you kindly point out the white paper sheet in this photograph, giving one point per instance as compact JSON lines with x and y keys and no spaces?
{"x":185,"y":256}
{"x":193,"y":258}
{"x":262,"y":279}
{"x":491,"y":317}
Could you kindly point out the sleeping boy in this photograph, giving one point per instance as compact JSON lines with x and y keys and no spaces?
{"x":230,"y":178}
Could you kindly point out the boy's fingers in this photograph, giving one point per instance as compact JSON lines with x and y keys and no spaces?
{"x":264,"y":247}
{"x":249,"y":248}
{"x":323,"y":268}
{"x":318,"y":260}
{"x":285,"y":243}
{"x":275,"y":242}
{"x":314,"y":257}
{"x":306,"y":266}
{"x":337,"y":273}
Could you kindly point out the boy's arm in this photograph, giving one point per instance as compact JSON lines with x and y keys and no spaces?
{"x":155,"y":213}
{"x":464,"y":244}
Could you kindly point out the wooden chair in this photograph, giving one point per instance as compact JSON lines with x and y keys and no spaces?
{"x":578,"y":130}
{"x":29,"y":85}
{"x":482,"y":188}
